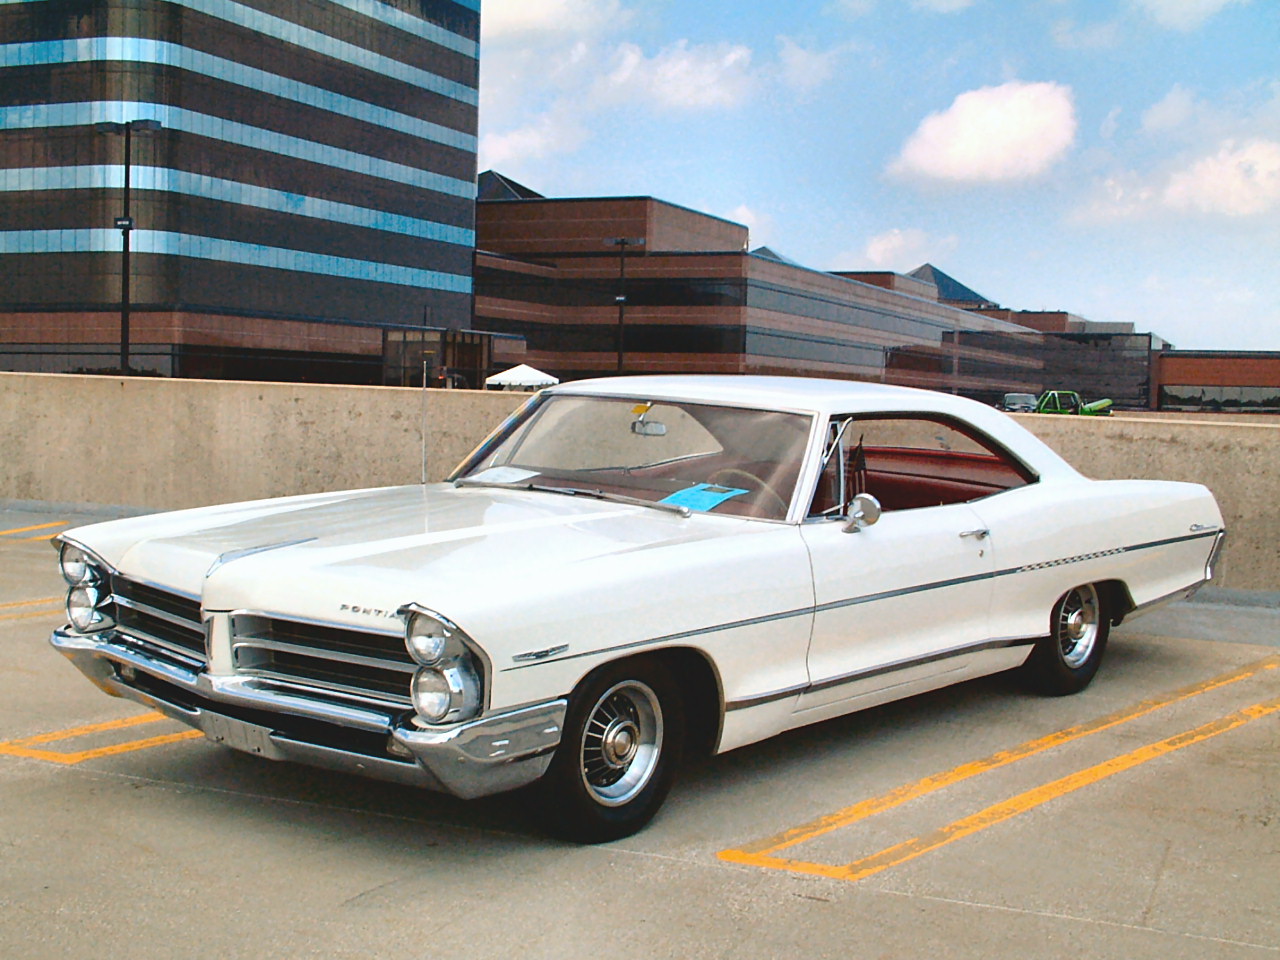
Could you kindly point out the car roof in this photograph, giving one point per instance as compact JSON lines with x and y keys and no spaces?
{"x":789,"y":393}
{"x":826,"y":398}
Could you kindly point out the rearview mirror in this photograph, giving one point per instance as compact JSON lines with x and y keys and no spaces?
{"x":864,"y":511}
{"x":648,"y":428}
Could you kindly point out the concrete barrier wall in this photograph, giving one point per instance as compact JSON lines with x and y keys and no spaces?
{"x":177,"y":443}
{"x":180,"y":443}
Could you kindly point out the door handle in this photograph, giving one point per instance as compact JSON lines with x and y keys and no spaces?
{"x":981,"y":534}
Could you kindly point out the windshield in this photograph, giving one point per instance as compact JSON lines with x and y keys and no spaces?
{"x":725,"y":460}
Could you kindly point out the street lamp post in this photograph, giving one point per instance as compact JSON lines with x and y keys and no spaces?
{"x":125,"y":225}
{"x":621,"y":299}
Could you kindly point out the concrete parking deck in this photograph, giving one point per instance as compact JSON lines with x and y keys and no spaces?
{"x":1138,"y":819}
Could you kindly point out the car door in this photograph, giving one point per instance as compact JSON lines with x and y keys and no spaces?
{"x":904,"y":603}
{"x":896,"y":602}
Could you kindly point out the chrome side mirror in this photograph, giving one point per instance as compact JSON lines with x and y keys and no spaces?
{"x":864,"y":510}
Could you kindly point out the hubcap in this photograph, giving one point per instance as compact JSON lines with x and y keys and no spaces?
{"x":621,"y":743}
{"x":1077,"y":626}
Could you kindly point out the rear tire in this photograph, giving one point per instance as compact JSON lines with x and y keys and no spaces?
{"x":1066,"y":661}
{"x":622,"y":739}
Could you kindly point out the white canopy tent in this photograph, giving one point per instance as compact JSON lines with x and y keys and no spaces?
{"x":523,"y":377}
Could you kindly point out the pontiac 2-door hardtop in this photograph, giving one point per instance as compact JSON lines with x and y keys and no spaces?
{"x":625,"y":570}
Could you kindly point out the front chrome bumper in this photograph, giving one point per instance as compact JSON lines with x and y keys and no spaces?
{"x":489,"y":755}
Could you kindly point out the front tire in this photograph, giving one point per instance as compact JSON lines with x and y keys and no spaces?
{"x":621,"y":744}
{"x":1066,"y":661}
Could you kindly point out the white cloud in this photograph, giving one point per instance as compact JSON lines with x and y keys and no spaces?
{"x":681,"y":76}
{"x":942,"y":6}
{"x":1240,"y":180}
{"x":759,"y":225}
{"x":549,"y":68}
{"x":556,"y":131}
{"x":1121,"y":196}
{"x":1218,"y":158}
{"x":524,"y":21}
{"x":1015,"y":131}
{"x":805,"y":70}
{"x":1183,"y":15}
{"x":903,"y":250}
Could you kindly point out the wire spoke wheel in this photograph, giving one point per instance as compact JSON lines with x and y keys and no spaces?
{"x":623,"y":738}
{"x":621,"y":743}
{"x":1076,"y":628}
{"x":1066,"y":660}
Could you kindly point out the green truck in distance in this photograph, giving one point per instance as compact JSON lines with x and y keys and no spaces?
{"x":1055,"y":401}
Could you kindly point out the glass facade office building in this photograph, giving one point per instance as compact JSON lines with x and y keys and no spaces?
{"x":685,"y":296}
{"x":308,"y":184}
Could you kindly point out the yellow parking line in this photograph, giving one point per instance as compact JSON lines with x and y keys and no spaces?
{"x":38,"y":526}
{"x":29,"y":603}
{"x":750,"y":853}
{"x":1007,"y":809}
{"x":33,"y":614}
{"x":45,"y":537}
{"x":87,"y":729}
{"x":25,"y":746}
{"x":54,"y":756}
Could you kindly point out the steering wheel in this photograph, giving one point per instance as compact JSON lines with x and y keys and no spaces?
{"x":729,"y":473}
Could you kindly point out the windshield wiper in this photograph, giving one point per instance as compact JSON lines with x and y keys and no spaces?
{"x":576,"y":492}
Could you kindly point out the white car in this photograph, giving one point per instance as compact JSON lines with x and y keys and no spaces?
{"x":626,"y":569}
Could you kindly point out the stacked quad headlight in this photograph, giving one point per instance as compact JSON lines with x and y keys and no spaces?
{"x":88,"y":588}
{"x":447,"y":687}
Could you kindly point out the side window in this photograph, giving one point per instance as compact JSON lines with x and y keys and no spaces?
{"x":909,"y":461}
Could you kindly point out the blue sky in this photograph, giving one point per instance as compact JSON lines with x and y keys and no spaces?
{"x":1118,"y":160}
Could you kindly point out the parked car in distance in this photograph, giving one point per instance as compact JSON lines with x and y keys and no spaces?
{"x":624,"y":571}
{"x":1070,"y":402}
{"x":1018,"y":403}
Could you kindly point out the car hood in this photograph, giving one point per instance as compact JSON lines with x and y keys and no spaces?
{"x":355,"y":558}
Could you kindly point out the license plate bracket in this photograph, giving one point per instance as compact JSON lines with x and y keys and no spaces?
{"x":239,"y":735}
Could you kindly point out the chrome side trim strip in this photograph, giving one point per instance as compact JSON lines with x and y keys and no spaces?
{"x":1184,"y":593}
{"x":904,"y":591}
{"x":866,"y":598}
{"x":869,"y":673}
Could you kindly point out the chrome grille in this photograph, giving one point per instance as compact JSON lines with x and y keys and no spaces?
{"x":327,"y":661}
{"x":159,"y":618}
